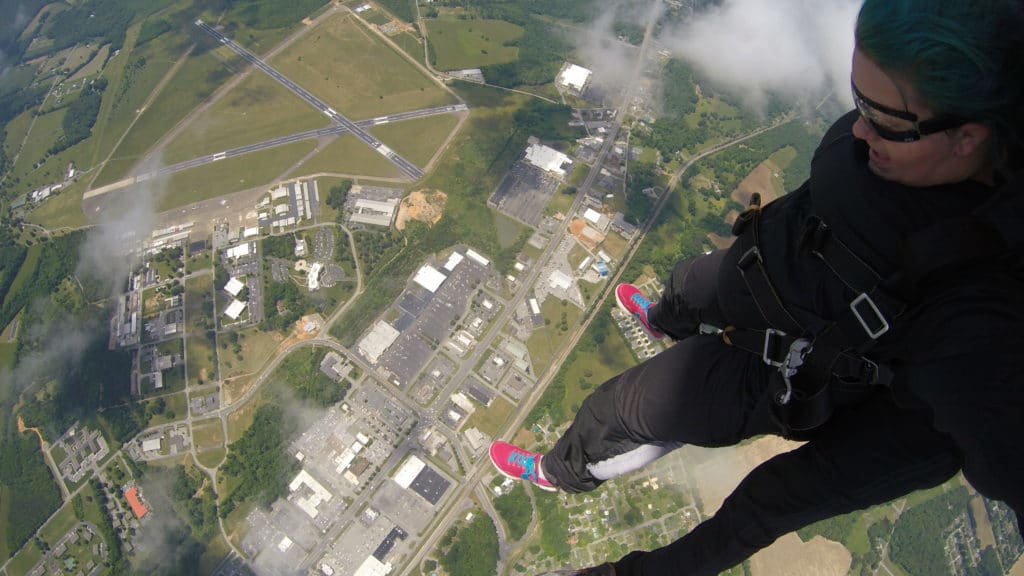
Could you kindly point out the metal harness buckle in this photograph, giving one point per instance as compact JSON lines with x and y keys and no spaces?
{"x":876,"y":314}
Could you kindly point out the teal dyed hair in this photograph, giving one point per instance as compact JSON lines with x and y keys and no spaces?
{"x":963,"y":57}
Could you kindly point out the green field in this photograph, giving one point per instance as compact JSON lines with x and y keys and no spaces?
{"x":349,"y":67}
{"x":491,"y":419}
{"x":410,"y":44}
{"x":8,"y":350}
{"x":232,"y":175}
{"x":44,"y":134}
{"x":28,"y":268}
{"x":418,"y":139}
{"x":58,"y":525}
{"x":348,"y":155}
{"x":25,"y":559}
{"x":258,"y":109}
{"x":16,"y":130}
{"x":192,"y":84}
{"x":546,"y":340}
{"x":257,"y":349}
{"x":130,"y":86}
{"x":64,"y":209}
{"x":175,"y":405}
{"x":460,"y":44}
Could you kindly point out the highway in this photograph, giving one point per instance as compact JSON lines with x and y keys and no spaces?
{"x":404,"y":165}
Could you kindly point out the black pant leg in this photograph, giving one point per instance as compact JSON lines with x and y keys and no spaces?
{"x":866,"y":455}
{"x":690,"y":297}
{"x":700,"y":391}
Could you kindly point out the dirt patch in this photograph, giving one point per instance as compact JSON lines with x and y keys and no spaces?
{"x":423,"y":206}
{"x":1018,"y":568}
{"x":790,"y":556}
{"x":307,"y":21}
{"x":23,"y":428}
{"x":759,"y":180}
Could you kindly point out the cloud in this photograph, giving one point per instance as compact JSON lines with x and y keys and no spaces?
{"x":790,"y":47}
{"x":614,"y":61}
{"x":124,"y":222}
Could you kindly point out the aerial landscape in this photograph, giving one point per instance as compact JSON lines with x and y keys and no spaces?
{"x":273,"y":275}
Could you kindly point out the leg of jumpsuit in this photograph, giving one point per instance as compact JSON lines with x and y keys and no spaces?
{"x":700,"y":391}
{"x":602,"y":444}
{"x":867,"y":454}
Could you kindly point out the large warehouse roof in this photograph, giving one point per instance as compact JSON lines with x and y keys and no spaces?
{"x":547,"y":159}
{"x":378,"y":340}
{"x":430,"y":278}
{"x":409,"y":471}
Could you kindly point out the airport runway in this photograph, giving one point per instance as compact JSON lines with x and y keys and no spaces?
{"x":404,"y":165}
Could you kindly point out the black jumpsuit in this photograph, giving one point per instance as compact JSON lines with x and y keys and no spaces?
{"x":956,"y":401}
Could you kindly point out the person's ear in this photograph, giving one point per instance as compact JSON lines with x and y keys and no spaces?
{"x":970,"y":138}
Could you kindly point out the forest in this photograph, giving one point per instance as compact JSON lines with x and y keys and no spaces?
{"x":471,"y":550}
{"x":258,"y":460}
{"x":300,"y":372}
{"x":23,"y":473}
{"x":81,"y":116}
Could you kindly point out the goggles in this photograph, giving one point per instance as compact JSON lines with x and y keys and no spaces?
{"x":900,"y":125}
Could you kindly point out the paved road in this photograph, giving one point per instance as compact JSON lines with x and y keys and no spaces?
{"x":404,"y":165}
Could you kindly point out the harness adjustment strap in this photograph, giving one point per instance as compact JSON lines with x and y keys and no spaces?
{"x":870,"y":317}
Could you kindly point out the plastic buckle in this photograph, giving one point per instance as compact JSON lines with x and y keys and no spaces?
{"x":875,"y":313}
{"x":771,"y":336}
{"x":749,"y":257}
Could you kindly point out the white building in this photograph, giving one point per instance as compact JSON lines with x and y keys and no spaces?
{"x":235,"y":309}
{"x":377,"y":341}
{"x":430,"y":278}
{"x":313,"y":279}
{"x":234,"y":286}
{"x":547,"y":159}
{"x":574,"y":77}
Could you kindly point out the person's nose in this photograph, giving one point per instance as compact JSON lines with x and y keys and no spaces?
{"x":863,"y":130}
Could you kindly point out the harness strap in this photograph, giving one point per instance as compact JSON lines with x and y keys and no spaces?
{"x":755,"y":275}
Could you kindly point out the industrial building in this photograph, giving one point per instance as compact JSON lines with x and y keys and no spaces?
{"x":574,"y":77}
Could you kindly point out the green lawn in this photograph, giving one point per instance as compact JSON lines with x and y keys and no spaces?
{"x":490,"y":420}
{"x":462,"y":44}
{"x":25,"y":559}
{"x":213,"y":457}
{"x":349,"y":67}
{"x":62,"y":210}
{"x":16,"y":130}
{"x":258,"y":109}
{"x":348,"y":155}
{"x":411,"y":44}
{"x":232,"y":174}
{"x":192,"y":84}
{"x":418,"y":139}
{"x":59,"y":525}
{"x":7,"y":354}
{"x":28,"y":268}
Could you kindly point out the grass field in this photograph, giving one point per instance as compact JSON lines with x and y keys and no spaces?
{"x":28,"y":268}
{"x":490,"y":420}
{"x":462,"y":44}
{"x":44,"y":134}
{"x":410,"y":44}
{"x":58,"y":525}
{"x":131,"y":86}
{"x":232,"y":175}
{"x":25,"y":559}
{"x":257,"y":109}
{"x":418,"y":139}
{"x":194,"y":82}
{"x":16,"y":130}
{"x":207,"y":434}
{"x":546,"y":340}
{"x":347,"y":155}
{"x":213,"y":457}
{"x":94,"y":66}
{"x":176,"y":404}
{"x":64,"y":209}
{"x":349,"y":67}
{"x":257,"y":348}
{"x":199,"y":348}
{"x":7,"y":355}
{"x":5,"y":510}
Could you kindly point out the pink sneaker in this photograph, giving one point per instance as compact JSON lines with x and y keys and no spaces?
{"x":632,"y":301}
{"x":517,"y":463}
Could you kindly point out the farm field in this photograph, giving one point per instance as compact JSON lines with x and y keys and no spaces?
{"x":347,"y":66}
